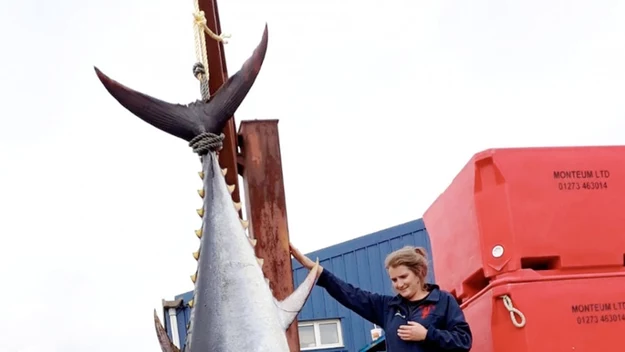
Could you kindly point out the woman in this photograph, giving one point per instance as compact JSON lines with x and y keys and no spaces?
{"x":421,"y":318}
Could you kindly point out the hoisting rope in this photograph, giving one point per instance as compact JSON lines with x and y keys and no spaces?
{"x":200,"y":69}
{"x":206,"y":141}
{"x":507,"y":302}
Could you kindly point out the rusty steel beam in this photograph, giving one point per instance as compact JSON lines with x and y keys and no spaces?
{"x":266,"y":207}
{"x":218,"y":74}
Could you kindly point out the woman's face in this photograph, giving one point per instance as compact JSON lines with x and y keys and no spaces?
{"x":405,"y":282}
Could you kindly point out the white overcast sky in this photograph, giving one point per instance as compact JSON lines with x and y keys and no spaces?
{"x":380,"y":105}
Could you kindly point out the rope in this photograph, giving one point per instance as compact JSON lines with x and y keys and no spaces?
{"x":206,"y":142}
{"x":200,"y":21}
{"x":200,"y":69}
{"x":507,"y":302}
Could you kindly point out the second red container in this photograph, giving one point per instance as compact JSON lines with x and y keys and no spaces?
{"x":528,"y":312}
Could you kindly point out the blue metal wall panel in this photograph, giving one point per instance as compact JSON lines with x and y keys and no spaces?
{"x":360,"y":262}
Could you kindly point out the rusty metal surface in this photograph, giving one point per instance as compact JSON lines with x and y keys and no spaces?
{"x":266,"y":207}
{"x":218,"y":75}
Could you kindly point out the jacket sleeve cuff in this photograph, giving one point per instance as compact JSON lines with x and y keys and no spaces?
{"x":431,"y":334}
{"x":323,"y":278}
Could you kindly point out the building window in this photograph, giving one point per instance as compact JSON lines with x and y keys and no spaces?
{"x":320,"y":334}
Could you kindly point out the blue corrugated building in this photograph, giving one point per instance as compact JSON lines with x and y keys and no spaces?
{"x":323,"y":323}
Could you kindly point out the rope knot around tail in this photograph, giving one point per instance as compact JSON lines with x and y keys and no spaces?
{"x":207,"y":142}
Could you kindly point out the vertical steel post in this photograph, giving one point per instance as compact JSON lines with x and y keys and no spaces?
{"x":261,"y":166}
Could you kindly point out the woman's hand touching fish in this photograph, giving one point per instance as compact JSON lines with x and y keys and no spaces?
{"x":304,"y":260}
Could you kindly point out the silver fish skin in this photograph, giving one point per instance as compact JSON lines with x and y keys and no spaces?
{"x":233,"y":309}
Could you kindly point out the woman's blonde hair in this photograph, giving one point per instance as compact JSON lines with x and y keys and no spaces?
{"x":414,"y":258}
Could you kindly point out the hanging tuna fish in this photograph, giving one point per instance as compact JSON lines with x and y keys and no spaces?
{"x":233,"y":309}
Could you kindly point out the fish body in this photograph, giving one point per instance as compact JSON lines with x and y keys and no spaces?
{"x":236,"y":296}
{"x":233,"y":309}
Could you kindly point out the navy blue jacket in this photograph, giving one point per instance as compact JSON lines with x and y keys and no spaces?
{"x":439,"y":313}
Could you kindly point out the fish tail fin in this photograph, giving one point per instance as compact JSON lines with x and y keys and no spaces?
{"x":191,"y":120}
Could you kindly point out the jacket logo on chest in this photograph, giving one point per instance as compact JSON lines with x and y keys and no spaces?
{"x":426,"y":311}
{"x":398,"y":313}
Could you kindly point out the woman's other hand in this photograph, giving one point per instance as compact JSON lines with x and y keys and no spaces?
{"x":412,"y":332}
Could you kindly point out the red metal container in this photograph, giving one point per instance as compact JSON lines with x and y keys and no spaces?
{"x":560,"y":313}
{"x":539,"y":208}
